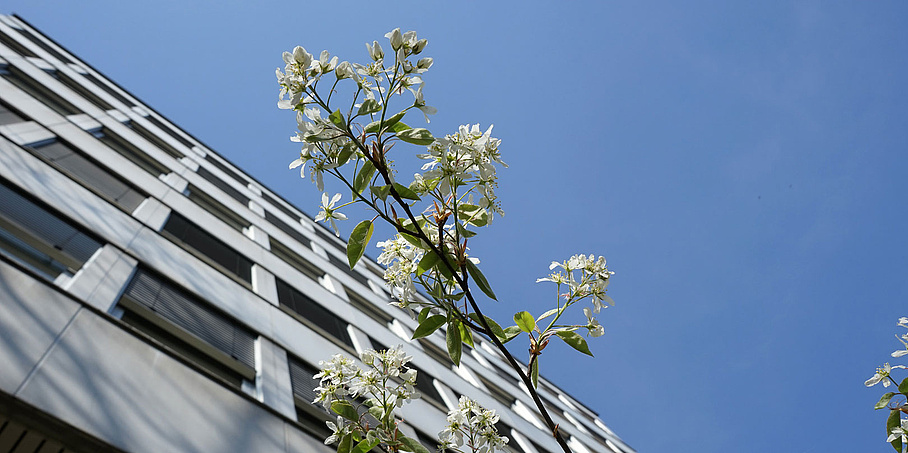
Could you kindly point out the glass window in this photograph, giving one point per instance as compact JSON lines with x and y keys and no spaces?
{"x":209,"y":248}
{"x":189,"y":327}
{"x":292,"y":258}
{"x":17,"y":47}
{"x":497,"y":392}
{"x":367,"y":307}
{"x":221,"y":184}
{"x":40,"y":42}
{"x":217,"y":209}
{"x":344,"y":266}
{"x":9,"y":116}
{"x":280,"y":207}
{"x":154,"y":139}
{"x":229,"y":171}
{"x":79,"y":88}
{"x":25,"y":83}
{"x":116,"y":94}
{"x":87,"y":172}
{"x":40,"y":239}
{"x":425,"y":385}
{"x":287,"y":229}
{"x":131,"y":152}
{"x":169,"y":131}
{"x":312,"y":313}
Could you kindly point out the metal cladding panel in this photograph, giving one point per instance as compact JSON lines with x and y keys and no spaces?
{"x":46,"y":226}
{"x":195,"y":317}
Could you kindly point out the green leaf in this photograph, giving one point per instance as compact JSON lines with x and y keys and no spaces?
{"x":884,"y":401}
{"x":413,"y":445}
{"x":903,"y":387}
{"x":574,"y":340}
{"x":345,"y":153}
{"x":546,"y":315}
{"x":344,"y":409}
{"x":358,"y":241}
{"x":525,"y":321}
{"x":429,"y":326}
{"x":464,"y":232}
{"x":473,"y":214}
{"x":374,"y":126}
{"x":480,"y":280}
{"x":496,"y":329}
{"x":465,"y":333}
{"x":416,"y":136}
{"x":365,"y":445}
{"x":423,"y":314}
{"x":427,"y":262}
{"x":894,"y":421}
{"x":376,"y":412}
{"x":381,"y":191}
{"x":363,"y":177}
{"x":368,"y":106}
{"x":455,"y":344}
{"x":398,"y":127}
{"x":346,"y":443}
{"x":534,"y":372}
{"x":337,"y":118}
{"x":511,"y":333}
{"x":405,"y":192}
{"x":414,"y":240}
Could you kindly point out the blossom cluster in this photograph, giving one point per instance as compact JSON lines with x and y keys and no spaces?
{"x":472,"y":426}
{"x":400,"y":259}
{"x":585,"y":277}
{"x":466,"y":157}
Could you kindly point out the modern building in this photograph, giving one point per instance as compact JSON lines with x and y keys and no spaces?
{"x":155,"y":298}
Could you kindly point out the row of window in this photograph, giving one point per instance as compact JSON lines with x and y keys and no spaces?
{"x":63,"y":157}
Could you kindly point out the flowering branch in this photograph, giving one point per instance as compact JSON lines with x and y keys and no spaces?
{"x":456,"y":189}
{"x":896,"y":426}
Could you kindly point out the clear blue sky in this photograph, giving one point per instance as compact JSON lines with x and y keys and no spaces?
{"x":742,"y":167}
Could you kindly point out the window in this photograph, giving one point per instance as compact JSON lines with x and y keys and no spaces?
{"x":116,"y":94}
{"x":435,"y":352}
{"x":280,"y":207}
{"x":343,"y":265}
{"x":189,"y":327}
{"x":16,"y":46}
{"x":208,"y":248}
{"x":217,"y":209}
{"x":312,"y":313}
{"x":44,"y":45}
{"x":25,"y":83}
{"x":220,"y":184}
{"x":79,"y":88}
{"x":498,"y":393}
{"x":87,"y":172}
{"x":229,"y":171}
{"x":368,"y":308}
{"x":287,"y":229}
{"x":154,"y":139}
{"x":131,"y":152}
{"x":39,"y":239}
{"x":292,"y":258}
{"x":167,"y":130}
{"x":8,"y":116}
{"x":424,"y":383}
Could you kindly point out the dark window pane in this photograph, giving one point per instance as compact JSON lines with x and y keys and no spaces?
{"x":39,"y":238}
{"x":16,"y":46}
{"x":301,"y":264}
{"x":85,"y":92}
{"x":280,"y":207}
{"x":181,"y":230}
{"x":221,"y":184}
{"x":45,"y":46}
{"x":308,"y":309}
{"x":345,"y":267}
{"x":87,"y":172}
{"x":154,"y":139}
{"x":131,"y":152}
{"x":217,"y":209}
{"x":229,"y":171}
{"x":302,"y":381}
{"x":116,"y":94}
{"x":25,"y":83}
{"x":287,"y":229}
{"x":167,"y":130}
{"x":8,"y":116}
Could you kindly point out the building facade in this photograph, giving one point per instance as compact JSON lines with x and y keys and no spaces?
{"x":155,"y":298}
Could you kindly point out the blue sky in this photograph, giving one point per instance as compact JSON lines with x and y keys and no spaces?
{"x":741,"y":166}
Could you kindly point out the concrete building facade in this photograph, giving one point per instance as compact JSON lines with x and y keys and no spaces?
{"x":155,"y":298}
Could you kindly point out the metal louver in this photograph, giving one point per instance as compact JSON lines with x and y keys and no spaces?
{"x":174,"y":305}
{"x":302,"y":381}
